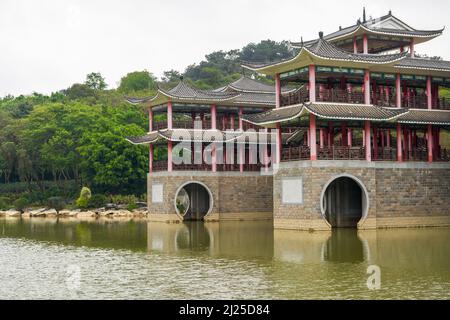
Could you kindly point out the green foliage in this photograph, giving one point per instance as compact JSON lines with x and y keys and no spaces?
{"x":132,"y":206}
{"x":137,"y":81}
{"x":95,"y":81}
{"x":124,"y":199}
{"x":4,"y":203}
{"x":57,"y":203}
{"x":51,"y":145}
{"x":20,"y":204}
{"x":83,"y":200}
{"x":97,"y":201}
{"x":79,"y":91}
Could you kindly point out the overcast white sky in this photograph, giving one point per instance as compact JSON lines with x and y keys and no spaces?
{"x":48,"y":45}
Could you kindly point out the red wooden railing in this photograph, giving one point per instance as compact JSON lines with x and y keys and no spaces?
{"x":377,"y":98}
{"x":341,"y":153}
{"x":295,"y":153}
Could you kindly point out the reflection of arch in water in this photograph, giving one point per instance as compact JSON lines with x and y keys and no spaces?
{"x":193,"y":236}
{"x":193,"y":201}
{"x":344,"y":201}
{"x":344,"y":245}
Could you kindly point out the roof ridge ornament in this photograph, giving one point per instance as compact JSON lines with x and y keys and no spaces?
{"x":364,"y":14}
{"x":321,"y":34}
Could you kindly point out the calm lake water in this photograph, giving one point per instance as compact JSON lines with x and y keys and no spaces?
{"x":104,"y":259}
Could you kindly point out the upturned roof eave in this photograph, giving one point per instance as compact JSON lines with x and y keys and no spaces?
{"x":361,"y":29}
{"x":306,"y":57}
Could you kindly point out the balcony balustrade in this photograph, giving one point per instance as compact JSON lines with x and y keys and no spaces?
{"x":295,"y":153}
{"x":161,"y":165}
{"x":341,"y":153}
{"x":377,"y":98}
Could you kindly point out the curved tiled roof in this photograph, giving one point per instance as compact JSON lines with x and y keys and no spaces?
{"x":371,"y":27}
{"x":150,"y":137}
{"x":424,"y":116}
{"x":207,"y":136}
{"x":326,"y":50}
{"x":344,"y":111}
{"x":246,"y":84}
{"x":275,"y":115}
{"x":184,"y":92}
{"x":426,"y":64}
{"x":337,"y":111}
{"x":266,"y":99}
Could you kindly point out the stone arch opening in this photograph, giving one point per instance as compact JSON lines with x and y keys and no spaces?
{"x":344,"y":202}
{"x":193,"y":201}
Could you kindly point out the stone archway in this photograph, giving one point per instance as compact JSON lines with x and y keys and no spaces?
{"x":344,"y":202}
{"x":193,"y":201}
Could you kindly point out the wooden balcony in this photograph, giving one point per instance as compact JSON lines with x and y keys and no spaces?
{"x":161,"y":165}
{"x":377,"y":98}
{"x":341,"y":153}
{"x":339,"y":95}
{"x":295,"y":153}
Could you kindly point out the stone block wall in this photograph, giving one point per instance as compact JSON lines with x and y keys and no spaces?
{"x":236,"y":196}
{"x":399,"y":195}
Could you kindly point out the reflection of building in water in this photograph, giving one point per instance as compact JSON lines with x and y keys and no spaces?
{"x":343,"y":245}
{"x":229,"y":239}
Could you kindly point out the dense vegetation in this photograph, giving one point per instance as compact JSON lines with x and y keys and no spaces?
{"x":51,"y":146}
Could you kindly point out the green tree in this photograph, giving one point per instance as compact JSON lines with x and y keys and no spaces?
{"x":95,"y":81}
{"x":137,"y":81}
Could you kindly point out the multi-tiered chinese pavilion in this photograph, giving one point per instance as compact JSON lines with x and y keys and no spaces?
{"x":362,"y":139}
{"x":364,"y":95}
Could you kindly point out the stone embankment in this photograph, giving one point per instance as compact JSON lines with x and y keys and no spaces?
{"x":95,"y":213}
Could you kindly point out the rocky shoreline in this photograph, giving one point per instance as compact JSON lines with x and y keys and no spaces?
{"x":95,"y":213}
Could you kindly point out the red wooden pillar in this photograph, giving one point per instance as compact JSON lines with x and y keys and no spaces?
{"x":398,"y":91}
{"x":399,"y":143}
{"x":213,"y":126}
{"x":429,"y":95}
{"x":241,"y":146}
{"x":367,"y":141}
{"x":366,"y":86}
{"x":312,"y":83}
{"x":232,"y":121}
{"x":169,"y":115}
{"x":365,"y":44}
{"x":411,"y":48}
{"x":355,"y":45}
{"x":312,"y":136}
{"x":430,"y":143}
